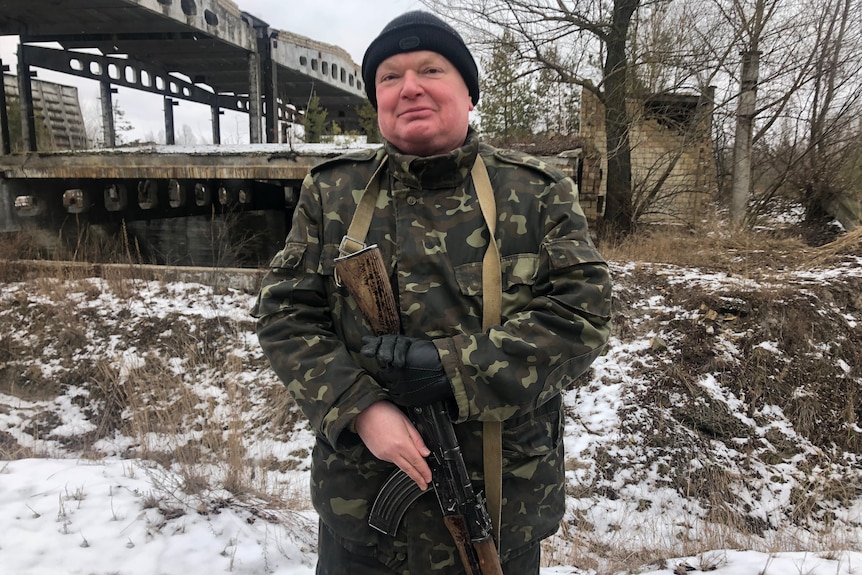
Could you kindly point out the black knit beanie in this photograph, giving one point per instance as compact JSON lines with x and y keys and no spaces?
{"x":413,"y":31}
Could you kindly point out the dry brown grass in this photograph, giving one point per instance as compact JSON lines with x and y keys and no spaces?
{"x":746,"y":253}
{"x":72,"y":242}
{"x":743,"y":252}
{"x":850,"y":243}
{"x":201,"y":437}
{"x":173,"y":413}
{"x":805,"y":380}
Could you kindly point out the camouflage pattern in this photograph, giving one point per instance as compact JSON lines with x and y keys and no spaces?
{"x":429,"y":227}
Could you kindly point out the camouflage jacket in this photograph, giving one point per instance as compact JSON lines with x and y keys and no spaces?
{"x":430,"y":229}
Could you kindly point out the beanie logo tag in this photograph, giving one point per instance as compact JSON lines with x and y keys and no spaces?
{"x":409,"y":42}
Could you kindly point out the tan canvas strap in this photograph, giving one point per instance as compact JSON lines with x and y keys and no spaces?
{"x":355,"y":238}
{"x":492,"y":278}
{"x":492,"y":294}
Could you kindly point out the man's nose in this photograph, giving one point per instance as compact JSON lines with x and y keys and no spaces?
{"x":412,"y":85}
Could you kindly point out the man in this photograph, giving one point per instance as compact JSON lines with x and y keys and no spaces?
{"x":428,"y":224}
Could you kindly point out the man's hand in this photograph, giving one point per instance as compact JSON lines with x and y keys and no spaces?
{"x":410,"y":369}
{"x":390,"y":436}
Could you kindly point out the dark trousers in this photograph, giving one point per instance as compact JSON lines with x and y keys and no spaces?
{"x":335,"y":559}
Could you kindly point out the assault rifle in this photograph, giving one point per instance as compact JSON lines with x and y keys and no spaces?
{"x":464,"y":511}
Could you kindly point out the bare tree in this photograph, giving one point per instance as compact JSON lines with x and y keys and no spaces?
{"x":797,"y":104}
{"x":833,"y":136}
{"x":752,"y":21}
{"x":784,"y":77}
{"x":186,"y":136}
{"x":92,"y":113}
{"x":585,"y":44}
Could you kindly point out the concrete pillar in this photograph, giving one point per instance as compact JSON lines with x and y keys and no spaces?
{"x":7,"y":219}
{"x":5,"y":141}
{"x":216,"y":115}
{"x":254,"y":99}
{"x":170,"y":132}
{"x":108,"y":129}
{"x":25,"y":95}
{"x":269,"y":86}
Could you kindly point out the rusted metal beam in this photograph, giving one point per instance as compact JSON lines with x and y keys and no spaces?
{"x":255,"y":107}
{"x":126,"y":72}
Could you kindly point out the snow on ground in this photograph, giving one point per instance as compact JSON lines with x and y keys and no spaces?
{"x":103,"y":509}
{"x":100,"y":517}
{"x":93,"y":518}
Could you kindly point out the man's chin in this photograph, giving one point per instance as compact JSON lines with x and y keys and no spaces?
{"x":417,"y":144}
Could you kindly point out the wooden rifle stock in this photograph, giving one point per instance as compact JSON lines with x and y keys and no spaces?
{"x":489,"y":559}
{"x":363,"y":273}
{"x":482,"y":559}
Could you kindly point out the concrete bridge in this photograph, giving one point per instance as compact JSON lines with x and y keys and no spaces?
{"x":204,"y":51}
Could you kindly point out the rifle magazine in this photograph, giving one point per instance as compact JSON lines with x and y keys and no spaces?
{"x":397,"y":494}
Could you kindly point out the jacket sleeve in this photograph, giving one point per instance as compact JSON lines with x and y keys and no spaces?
{"x":547,"y":341}
{"x":296,"y":331}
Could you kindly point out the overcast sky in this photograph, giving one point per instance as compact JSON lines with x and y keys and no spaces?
{"x":350,"y":24}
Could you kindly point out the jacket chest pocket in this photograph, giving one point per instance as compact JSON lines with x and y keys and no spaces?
{"x":518,"y":276}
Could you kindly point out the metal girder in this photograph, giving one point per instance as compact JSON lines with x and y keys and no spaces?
{"x":204,"y":18}
{"x":125,"y":72}
{"x":194,"y":50}
{"x":211,"y":38}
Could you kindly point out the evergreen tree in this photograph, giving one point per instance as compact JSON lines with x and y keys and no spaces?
{"x":368,"y":123}
{"x":122,"y":125}
{"x":509,"y":107}
{"x":314,"y":120}
{"x":560,"y":108}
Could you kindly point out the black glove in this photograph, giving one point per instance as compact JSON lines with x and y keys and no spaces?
{"x":410,"y":368}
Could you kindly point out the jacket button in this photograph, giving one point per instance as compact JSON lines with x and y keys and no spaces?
{"x":411,"y":200}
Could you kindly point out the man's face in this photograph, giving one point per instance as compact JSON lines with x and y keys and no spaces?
{"x":423,"y":104}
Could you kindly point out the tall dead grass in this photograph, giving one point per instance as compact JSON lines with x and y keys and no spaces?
{"x":712,"y":246}
{"x":179,"y":392}
{"x":641,"y":542}
{"x":850,"y":243}
{"x":199,"y":432}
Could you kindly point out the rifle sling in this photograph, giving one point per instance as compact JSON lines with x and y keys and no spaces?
{"x":492,"y":289}
{"x":355,"y":238}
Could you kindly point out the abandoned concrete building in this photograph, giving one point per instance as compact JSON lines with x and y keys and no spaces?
{"x":674,"y":177}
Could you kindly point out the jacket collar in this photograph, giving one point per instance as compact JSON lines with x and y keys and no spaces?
{"x":434,"y":172}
